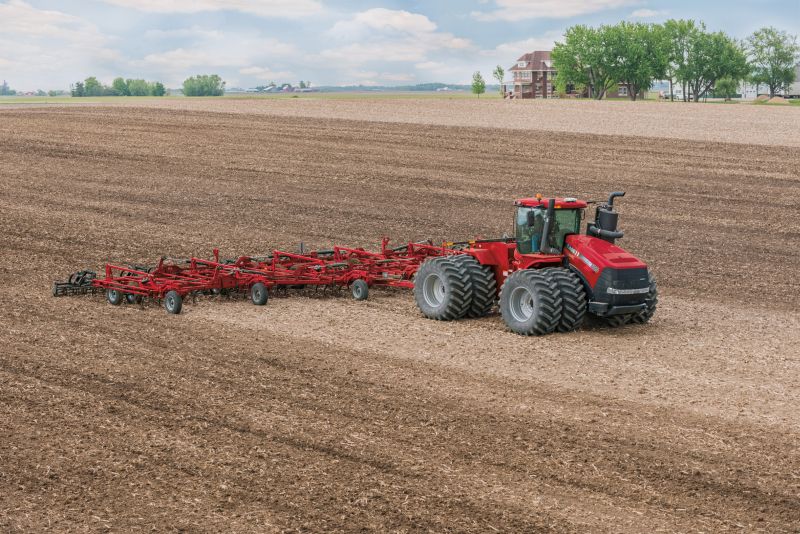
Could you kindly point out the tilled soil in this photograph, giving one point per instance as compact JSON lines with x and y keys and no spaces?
{"x":319,"y":413}
{"x":730,"y":123}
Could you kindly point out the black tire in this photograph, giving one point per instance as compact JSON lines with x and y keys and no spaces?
{"x":615,"y":321}
{"x":173,"y":302}
{"x":651,"y":300}
{"x":114,"y":296}
{"x":258,"y":294}
{"x":530,"y":303}
{"x":130,"y":298}
{"x":442,"y":289}
{"x":484,"y":286}
{"x":360,"y":289}
{"x":573,"y":298}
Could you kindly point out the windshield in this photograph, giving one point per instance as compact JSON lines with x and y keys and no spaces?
{"x":529,"y":237}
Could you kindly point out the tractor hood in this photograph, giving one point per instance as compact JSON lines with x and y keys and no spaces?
{"x":591,"y":256}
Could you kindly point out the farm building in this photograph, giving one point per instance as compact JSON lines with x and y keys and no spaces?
{"x":533,"y":76}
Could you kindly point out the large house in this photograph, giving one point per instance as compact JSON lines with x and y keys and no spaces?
{"x":533,"y":76}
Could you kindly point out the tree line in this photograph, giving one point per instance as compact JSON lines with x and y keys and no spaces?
{"x":682,"y":52}
{"x":204,"y":85}
{"x":119,"y":87}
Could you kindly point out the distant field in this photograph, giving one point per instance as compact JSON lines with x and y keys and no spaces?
{"x":744,"y":124}
{"x":247,"y":96}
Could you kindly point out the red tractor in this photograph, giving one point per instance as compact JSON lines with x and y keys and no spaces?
{"x":548,"y":275}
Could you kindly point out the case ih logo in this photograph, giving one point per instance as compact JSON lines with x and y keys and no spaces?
{"x":583,"y":258}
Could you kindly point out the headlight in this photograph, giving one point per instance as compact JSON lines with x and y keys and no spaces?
{"x":639,"y":291}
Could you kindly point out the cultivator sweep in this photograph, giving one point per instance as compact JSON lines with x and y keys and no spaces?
{"x":547,"y":278}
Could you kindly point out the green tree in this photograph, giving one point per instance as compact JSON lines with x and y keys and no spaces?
{"x":303,"y":84}
{"x":726,"y":87}
{"x":138,"y":88}
{"x":773,"y":55}
{"x":78,"y":89}
{"x":675,"y":38}
{"x":5,"y":90}
{"x":499,"y":74}
{"x":635,"y":54}
{"x":92,"y":87}
{"x":478,"y":84}
{"x":158,"y":89}
{"x":204,"y":85}
{"x":583,"y":61}
{"x":712,"y":56}
{"x":121,"y":86}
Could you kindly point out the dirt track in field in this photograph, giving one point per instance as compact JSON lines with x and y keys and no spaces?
{"x":319,"y":413}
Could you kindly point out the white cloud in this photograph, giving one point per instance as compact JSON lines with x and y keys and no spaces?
{"x":509,"y":52}
{"x":262,"y":8}
{"x":512,"y":10}
{"x":647,"y":13}
{"x":51,"y":48}
{"x":193,"y":32}
{"x":430,"y":65}
{"x":383,"y":19}
{"x":217,"y":51}
{"x":385,"y":35}
{"x":264,"y":73}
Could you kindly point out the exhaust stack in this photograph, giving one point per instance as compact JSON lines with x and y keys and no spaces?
{"x":605,"y":220}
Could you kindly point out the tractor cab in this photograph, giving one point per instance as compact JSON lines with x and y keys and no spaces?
{"x":541,"y":225}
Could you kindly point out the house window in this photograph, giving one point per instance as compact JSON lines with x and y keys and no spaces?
{"x":521,"y":64}
{"x":525,"y":75}
{"x":623,"y":90}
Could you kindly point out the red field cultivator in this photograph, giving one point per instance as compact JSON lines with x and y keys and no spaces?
{"x":546,"y":278}
{"x":171,"y":280}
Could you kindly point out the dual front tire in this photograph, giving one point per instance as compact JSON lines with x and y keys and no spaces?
{"x":543,"y":301}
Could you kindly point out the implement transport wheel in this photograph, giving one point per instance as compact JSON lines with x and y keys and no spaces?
{"x":484,"y":286}
{"x":530,"y":303}
{"x":573,"y":298}
{"x":443,"y":289}
{"x":173,"y":302}
{"x":360,"y":289}
{"x":651,"y":301}
{"x":258,"y":294}
{"x":130,"y":298}
{"x":114,"y":296}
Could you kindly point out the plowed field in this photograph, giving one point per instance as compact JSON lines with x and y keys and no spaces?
{"x":319,"y":413}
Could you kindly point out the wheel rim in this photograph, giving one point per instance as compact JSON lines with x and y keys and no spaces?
{"x":256,"y":293}
{"x":357,"y":290}
{"x":434,"y":290}
{"x":521,"y":304}
{"x":112,"y":295}
{"x":170,"y":302}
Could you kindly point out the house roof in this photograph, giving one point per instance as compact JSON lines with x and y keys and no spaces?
{"x":538,"y":61}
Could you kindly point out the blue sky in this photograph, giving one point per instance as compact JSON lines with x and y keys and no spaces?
{"x":49,"y":44}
